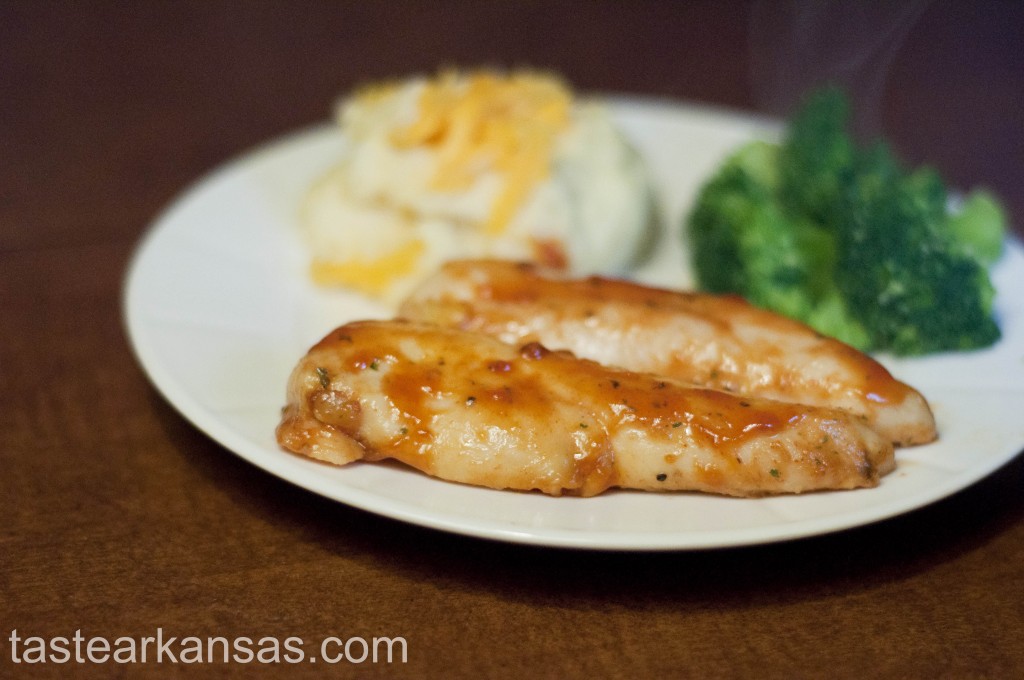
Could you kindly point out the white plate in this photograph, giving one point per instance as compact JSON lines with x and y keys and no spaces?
{"x":219,"y":309}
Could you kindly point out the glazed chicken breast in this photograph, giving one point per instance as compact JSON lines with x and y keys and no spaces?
{"x":719,"y":342}
{"x":469,"y":408}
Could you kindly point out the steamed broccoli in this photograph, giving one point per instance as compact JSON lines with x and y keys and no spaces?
{"x":742,"y":248}
{"x":844,"y":239}
{"x":976,"y":227}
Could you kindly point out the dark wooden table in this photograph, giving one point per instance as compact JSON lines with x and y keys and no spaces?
{"x":117,"y":518}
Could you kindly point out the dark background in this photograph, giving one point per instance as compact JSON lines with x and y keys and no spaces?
{"x":117,"y":517}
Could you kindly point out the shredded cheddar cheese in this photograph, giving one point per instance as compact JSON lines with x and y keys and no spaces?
{"x":371,"y":275}
{"x":487,"y":121}
{"x":468,"y":164}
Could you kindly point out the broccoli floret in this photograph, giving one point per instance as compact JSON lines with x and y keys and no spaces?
{"x":832,"y":317}
{"x":743,"y":242}
{"x":816,"y":157}
{"x":737,"y":201}
{"x":977,"y":227}
{"x":915,"y":292}
{"x":843,"y":238}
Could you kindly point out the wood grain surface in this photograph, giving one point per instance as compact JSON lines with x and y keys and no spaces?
{"x":118,"y":518}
